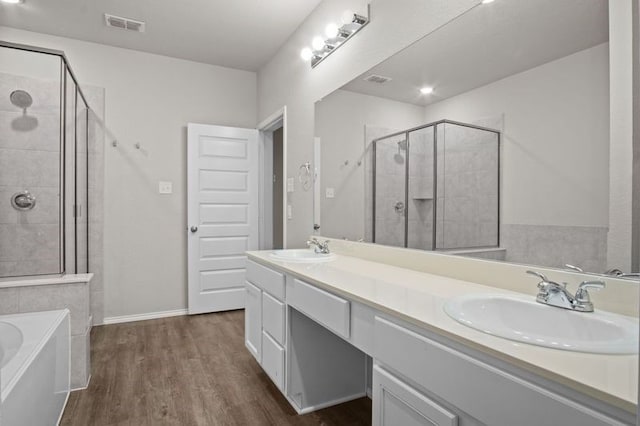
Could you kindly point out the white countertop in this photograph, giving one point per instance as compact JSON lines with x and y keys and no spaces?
{"x":418,"y":297}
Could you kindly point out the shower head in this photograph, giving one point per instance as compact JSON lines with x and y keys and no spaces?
{"x":402,"y":144}
{"x":21,"y":99}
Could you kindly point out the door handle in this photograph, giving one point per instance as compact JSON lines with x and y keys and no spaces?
{"x":194,"y":229}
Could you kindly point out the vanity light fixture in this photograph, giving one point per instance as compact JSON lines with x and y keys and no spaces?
{"x":426,"y":90}
{"x":335,"y":37}
{"x":12,"y":1}
{"x":487,"y":1}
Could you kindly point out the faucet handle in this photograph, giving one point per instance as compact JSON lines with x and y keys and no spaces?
{"x":544,"y":283}
{"x":582,"y":295}
{"x":540,"y":275}
{"x":573,"y":267}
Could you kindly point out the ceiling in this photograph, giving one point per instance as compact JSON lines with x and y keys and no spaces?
{"x":241,"y":34}
{"x":486,"y":44}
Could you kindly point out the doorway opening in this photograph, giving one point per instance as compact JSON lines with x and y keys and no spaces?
{"x":273,"y":143}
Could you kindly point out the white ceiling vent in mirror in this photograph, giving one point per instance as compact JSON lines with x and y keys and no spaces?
{"x":124,"y":23}
{"x":379,"y":79}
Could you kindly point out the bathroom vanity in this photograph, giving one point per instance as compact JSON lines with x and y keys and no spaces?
{"x":333,"y":331}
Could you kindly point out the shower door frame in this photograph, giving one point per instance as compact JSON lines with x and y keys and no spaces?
{"x":65,"y":70}
{"x":406,"y":133}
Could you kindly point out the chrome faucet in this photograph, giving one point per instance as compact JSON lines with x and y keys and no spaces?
{"x":318,"y":247}
{"x":617,"y":273}
{"x":555,"y":294}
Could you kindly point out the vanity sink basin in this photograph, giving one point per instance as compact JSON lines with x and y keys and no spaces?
{"x":302,"y":256}
{"x":524,"y":320}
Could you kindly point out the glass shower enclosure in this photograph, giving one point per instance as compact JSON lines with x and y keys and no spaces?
{"x":44,"y":164}
{"x":436,"y":187}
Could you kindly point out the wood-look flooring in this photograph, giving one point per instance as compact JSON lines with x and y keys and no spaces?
{"x":189,"y":370}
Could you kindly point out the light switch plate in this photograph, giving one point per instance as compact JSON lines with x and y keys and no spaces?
{"x":329,"y":192}
{"x":165,"y":187}
{"x":290,"y":184}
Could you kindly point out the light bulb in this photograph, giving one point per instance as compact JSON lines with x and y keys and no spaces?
{"x":317,"y":43}
{"x":487,"y":1}
{"x":331,"y":30}
{"x":11,"y":1}
{"x":347,"y":17}
{"x":426,"y":90}
{"x":306,"y":54}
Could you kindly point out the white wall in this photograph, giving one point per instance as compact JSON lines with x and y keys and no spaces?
{"x":340,"y":120}
{"x":287,"y":80}
{"x":621,"y":158}
{"x":555,"y":141}
{"x":149,"y":99}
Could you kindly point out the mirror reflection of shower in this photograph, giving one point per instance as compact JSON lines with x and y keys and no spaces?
{"x":23,"y":100}
{"x":399,"y":156}
{"x":436,"y":187}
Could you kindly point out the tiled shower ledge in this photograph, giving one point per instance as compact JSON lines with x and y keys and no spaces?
{"x":34,"y":281}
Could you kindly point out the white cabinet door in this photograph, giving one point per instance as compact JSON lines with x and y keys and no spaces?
{"x":273,"y":317}
{"x":396,"y":403}
{"x":253,"y":321}
{"x":273,"y":360}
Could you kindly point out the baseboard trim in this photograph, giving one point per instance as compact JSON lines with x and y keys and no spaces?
{"x":81,"y":387}
{"x":327,"y":404}
{"x":144,"y":317}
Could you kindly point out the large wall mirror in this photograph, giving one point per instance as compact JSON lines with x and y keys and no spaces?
{"x":487,"y":138}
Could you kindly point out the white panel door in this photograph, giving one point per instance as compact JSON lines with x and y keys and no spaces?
{"x":222,"y":214}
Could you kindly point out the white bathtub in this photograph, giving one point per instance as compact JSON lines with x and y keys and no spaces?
{"x":34,"y":367}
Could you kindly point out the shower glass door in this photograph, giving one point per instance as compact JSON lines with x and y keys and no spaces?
{"x":30,"y":163}
{"x":390,"y":198}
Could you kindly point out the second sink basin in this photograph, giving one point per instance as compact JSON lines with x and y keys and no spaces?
{"x":524,"y":320}
{"x":302,"y":256}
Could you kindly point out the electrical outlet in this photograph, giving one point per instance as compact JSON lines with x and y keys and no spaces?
{"x":165,"y":187}
{"x":329,"y":193}
{"x":289,"y":212}
{"x":290,"y":184}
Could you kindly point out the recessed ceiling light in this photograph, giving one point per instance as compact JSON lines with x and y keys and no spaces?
{"x":426,"y":90}
{"x":487,"y":1}
{"x":12,"y":1}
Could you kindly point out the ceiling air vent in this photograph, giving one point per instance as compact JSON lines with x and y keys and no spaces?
{"x":379,"y":79}
{"x":124,"y":23}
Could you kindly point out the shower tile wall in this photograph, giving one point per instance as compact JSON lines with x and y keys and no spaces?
{"x":420,"y":212}
{"x":467,"y":187}
{"x":30,"y":159}
{"x":555,"y":246}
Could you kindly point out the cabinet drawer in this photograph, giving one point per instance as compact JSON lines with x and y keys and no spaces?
{"x":325,"y":308}
{"x":273,"y":360}
{"x":273,"y":317}
{"x":267,"y":279}
{"x":397,"y":403}
{"x":490,"y":395}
